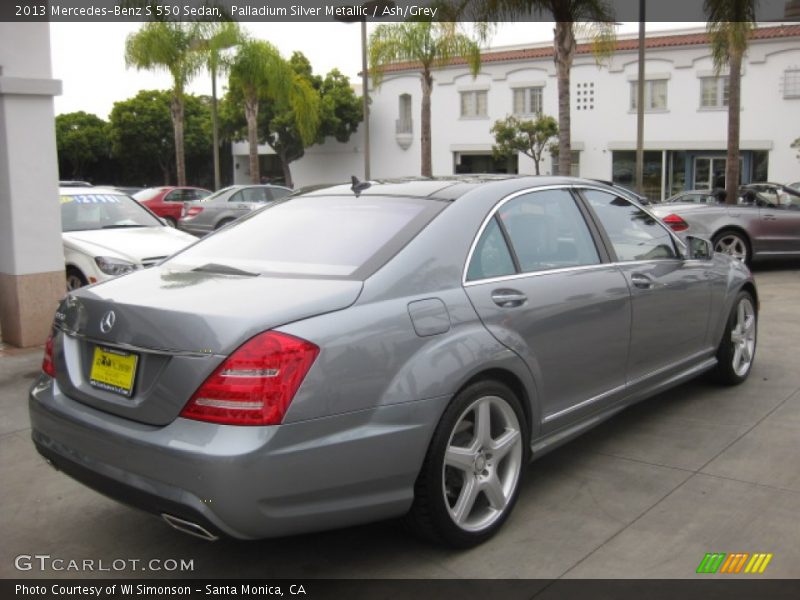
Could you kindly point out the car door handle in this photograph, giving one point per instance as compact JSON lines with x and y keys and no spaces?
{"x":508,"y":298}
{"x":770,"y":218}
{"x":641,"y":281}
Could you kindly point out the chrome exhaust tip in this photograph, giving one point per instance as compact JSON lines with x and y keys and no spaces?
{"x":189,"y":527}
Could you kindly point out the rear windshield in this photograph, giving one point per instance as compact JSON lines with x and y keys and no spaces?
{"x":147,"y":194}
{"x":334,"y":236}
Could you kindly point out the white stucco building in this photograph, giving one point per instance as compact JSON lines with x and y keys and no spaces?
{"x":685,"y":122}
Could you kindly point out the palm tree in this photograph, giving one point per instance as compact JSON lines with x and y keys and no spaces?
{"x":429,"y":45}
{"x":594,"y":16}
{"x":169,"y":46}
{"x":259,"y":73}
{"x":729,"y":25}
{"x":217,"y":36}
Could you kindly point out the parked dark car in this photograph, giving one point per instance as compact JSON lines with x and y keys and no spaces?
{"x":396,"y":348}
{"x":227,"y":205}
{"x":167,"y":202}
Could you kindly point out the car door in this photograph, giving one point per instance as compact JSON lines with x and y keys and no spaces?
{"x":670,"y":296}
{"x":780,"y":224}
{"x":539,"y":283}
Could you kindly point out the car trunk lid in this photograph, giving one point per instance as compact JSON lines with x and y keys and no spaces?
{"x":171,"y":331}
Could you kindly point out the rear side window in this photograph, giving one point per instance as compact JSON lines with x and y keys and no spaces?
{"x":546,"y":230}
{"x":634,"y":234}
{"x":491,"y":257}
{"x":322,"y":236}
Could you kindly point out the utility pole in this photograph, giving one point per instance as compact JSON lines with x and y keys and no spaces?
{"x":640,"y":105}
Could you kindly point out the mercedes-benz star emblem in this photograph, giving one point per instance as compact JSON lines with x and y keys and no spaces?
{"x":107,"y":322}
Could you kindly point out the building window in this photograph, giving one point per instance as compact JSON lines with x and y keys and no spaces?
{"x":714,"y":92}
{"x":791,"y":83}
{"x":474,"y":104}
{"x":528,"y":101}
{"x":655,"y":94}
{"x":404,"y":122}
{"x":574,"y":167}
{"x":584,"y":96}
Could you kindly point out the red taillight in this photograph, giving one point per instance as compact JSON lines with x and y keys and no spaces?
{"x":47,"y":362}
{"x":676,"y":223}
{"x":194,"y":211}
{"x":255,"y":384}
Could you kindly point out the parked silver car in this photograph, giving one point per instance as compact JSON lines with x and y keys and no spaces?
{"x":395,"y":348}
{"x":765,"y":223}
{"x":225,"y":206}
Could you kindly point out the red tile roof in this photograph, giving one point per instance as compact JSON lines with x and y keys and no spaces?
{"x":661,"y":41}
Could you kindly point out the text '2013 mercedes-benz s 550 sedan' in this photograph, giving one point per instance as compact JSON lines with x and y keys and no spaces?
{"x":398,"y":348}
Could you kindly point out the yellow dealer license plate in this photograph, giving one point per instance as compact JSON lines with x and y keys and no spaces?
{"x":113,"y":370}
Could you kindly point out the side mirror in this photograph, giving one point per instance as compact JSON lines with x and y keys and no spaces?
{"x":698,"y":248}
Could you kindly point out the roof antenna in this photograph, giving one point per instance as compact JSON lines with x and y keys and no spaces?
{"x":358,"y":186}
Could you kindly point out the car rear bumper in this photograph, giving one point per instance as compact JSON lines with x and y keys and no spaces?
{"x":243,"y":482}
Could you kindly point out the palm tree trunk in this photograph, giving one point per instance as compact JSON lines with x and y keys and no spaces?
{"x":251,"y":114}
{"x":287,"y":172}
{"x":734,"y":105}
{"x":426,"y":169}
{"x":215,"y":127}
{"x":176,"y":108}
{"x":564,"y":44}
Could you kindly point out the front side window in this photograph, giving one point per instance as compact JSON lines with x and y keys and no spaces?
{"x":528,"y":101}
{"x":474,"y":104}
{"x":714,"y":92}
{"x":655,"y":94}
{"x":634,"y":234}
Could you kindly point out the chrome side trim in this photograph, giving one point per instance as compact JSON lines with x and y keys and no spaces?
{"x":669,"y":367}
{"x":597,"y":267}
{"x":131,"y":347}
{"x":592,"y":400}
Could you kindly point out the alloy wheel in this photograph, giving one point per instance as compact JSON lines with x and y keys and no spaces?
{"x":743,"y":337}
{"x":482,"y":463}
{"x":733,"y":245}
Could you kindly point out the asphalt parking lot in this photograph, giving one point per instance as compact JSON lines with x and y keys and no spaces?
{"x":646,"y":495}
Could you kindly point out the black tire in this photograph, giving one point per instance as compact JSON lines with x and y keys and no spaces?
{"x":222,"y":223}
{"x":734,"y":243}
{"x":75,"y":279}
{"x":171,"y":222}
{"x":435,"y":498}
{"x":731,"y":368}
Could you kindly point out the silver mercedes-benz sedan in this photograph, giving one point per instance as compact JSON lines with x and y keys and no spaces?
{"x":225,"y":206}
{"x":398,"y":348}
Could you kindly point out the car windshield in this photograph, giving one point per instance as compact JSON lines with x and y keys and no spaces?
{"x":81,"y":212}
{"x":320,"y":236}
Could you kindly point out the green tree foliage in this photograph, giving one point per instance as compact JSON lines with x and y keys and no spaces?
{"x":82,"y":143}
{"x":172,"y":47}
{"x":531,"y":138}
{"x":729,"y":25}
{"x":277,"y":123}
{"x":429,"y":45}
{"x":140,"y":130}
{"x":260,"y":75}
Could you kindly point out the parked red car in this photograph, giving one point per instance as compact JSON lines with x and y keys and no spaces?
{"x":167,"y":202}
